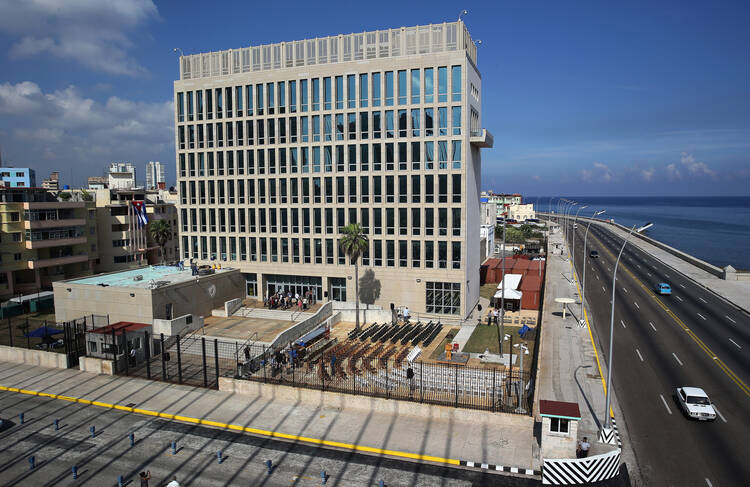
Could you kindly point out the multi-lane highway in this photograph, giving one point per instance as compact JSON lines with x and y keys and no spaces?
{"x":691,"y":338}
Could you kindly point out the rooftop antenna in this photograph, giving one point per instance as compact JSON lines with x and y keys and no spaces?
{"x":178,"y":49}
{"x":463,"y":12}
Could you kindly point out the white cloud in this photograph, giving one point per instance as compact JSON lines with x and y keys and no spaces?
{"x":648,"y":174}
{"x":65,"y":128}
{"x":696,"y":168}
{"x":601,"y":173}
{"x":93,"y":33}
{"x":673,"y":174}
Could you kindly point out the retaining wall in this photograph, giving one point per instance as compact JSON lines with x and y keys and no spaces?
{"x":317,"y":398}
{"x":95,"y":365}
{"x":30,"y":356}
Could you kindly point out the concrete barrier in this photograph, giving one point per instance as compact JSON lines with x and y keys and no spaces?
{"x":18,"y":355}
{"x":368,"y":313}
{"x":231,"y":306}
{"x":95,"y":365}
{"x":337,"y":400}
{"x":178,"y":326}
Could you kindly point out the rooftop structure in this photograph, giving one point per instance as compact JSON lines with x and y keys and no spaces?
{"x":121,"y":175}
{"x":150,"y":277}
{"x":18,"y":177}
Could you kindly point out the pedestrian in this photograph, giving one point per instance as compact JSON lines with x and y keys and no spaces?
{"x":304,"y":303}
{"x":495,"y":316}
{"x":583,"y":448}
{"x":406,"y":314}
{"x":174,"y":482}
{"x":489,"y":317}
{"x":144,"y":477}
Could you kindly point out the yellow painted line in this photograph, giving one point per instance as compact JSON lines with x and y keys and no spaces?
{"x":714,"y":358}
{"x":591,"y":337}
{"x":246,"y":429}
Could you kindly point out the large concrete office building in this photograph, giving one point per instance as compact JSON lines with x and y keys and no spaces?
{"x":280,"y":146}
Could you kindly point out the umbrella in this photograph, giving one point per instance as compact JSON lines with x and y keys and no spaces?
{"x":43,"y":331}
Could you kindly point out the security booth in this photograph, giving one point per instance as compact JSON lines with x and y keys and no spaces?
{"x":559,"y":428}
{"x":122,"y":341}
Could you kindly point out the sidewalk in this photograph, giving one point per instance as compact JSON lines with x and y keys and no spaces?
{"x":568,"y":367}
{"x":496,"y":439}
{"x":736,"y":292}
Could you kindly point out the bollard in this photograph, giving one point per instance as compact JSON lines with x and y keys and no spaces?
{"x":269,"y":466}
{"x":323,"y":477}
{"x":75,"y":472}
{"x":92,"y":429}
{"x":57,"y":424}
{"x":174,"y":448}
{"x":219,"y":457}
{"x":120,"y":482}
{"x":31,"y":462}
{"x":132,"y":439}
{"x":20,"y":418}
{"x":381,"y":484}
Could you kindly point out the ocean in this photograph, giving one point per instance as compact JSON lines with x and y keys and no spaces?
{"x":715,"y":229}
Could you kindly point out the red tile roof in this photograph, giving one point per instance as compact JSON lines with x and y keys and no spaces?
{"x":559,"y":409}
{"x":120,"y":327}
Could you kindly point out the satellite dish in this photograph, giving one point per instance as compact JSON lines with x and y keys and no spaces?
{"x":212,"y":290}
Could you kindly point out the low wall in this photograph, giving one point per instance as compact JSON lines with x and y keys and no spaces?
{"x":316,"y":398}
{"x":30,"y":356}
{"x":368,"y":313}
{"x":95,"y":365}
{"x":305,"y":326}
{"x":578,"y":471}
{"x":231,"y":306}
{"x":178,"y":326}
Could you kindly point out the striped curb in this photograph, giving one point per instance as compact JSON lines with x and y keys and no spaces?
{"x":500,"y":468}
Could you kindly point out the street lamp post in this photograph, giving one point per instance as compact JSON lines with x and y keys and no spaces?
{"x":612,"y":331}
{"x":573,"y":253}
{"x":501,"y":327}
{"x":585,"y":239}
{"x":566,"y":234}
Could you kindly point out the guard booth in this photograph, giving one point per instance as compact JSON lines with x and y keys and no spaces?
{"x":121,"y":341}
{"x":559,"y":428}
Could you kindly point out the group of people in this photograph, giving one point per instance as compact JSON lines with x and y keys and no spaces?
{"x":493,"y":316}
{"x":287,"y":300}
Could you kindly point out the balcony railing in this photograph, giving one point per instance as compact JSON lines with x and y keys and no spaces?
{"x":66,"y":222}
{"x":68,"y":259}
{"x":54,"y":242}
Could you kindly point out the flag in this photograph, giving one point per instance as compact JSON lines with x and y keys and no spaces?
{"x":139,"y":207}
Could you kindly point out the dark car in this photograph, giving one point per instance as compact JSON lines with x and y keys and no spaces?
{"x":594,"y":254}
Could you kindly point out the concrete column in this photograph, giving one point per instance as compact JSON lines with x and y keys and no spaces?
{"x":37,"y":279}
{"x":11,"y":284}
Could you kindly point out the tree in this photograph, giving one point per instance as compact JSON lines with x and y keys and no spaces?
{"x":86,"y":196}
{"x":65,"y":196}
{"x":161,"y":232}
{"x":353,"y":243}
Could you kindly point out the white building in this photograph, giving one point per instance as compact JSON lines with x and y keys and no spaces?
{"x":121,"y":176}
{"x":280,"y":146}
{"x":487,"y":245}
{"x":521,"y":212}
{"x":154,"y":175}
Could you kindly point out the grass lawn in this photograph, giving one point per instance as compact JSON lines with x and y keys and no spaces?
{"x":441,"y":348}
{"x":485,"y":337}
{"x":488,"y":290}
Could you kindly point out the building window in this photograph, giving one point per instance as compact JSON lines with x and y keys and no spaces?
{"x":338,"y":288}
{"x":559,"y":425}
{"x":443,"y":297}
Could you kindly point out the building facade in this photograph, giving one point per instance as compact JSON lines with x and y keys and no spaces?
{"x":124,"y":242}
{"x":280,"y":146}
{"x":52,"y":183}
{"x":97,"y":182}
{"x":18,"y":177}
{"x":521,"y":213}
{"x":121,"y":176}
{"x":155,"y":175}
{"x":43,"y":239}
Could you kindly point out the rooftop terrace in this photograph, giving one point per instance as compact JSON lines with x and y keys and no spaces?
{"x":404,"y":41}
{"x":151,"y":277}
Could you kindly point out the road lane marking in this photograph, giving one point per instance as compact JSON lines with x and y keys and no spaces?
{"x":625,"y":289}
{"x":678,"y":360}
{"x":623,"y":324}
{"x":246,"y":429}
{"x":666,"y":275}
{"x":735,"y":344}
{"x":730,"y":319}
{"x":665,"y":404}
{"x":639,"y":265}
{"x":639,"y":354}
{"x":702,"y":299}
{"x":682,"y":286}
{"x":636,"y":305}
{"x":649,"y":274}
{"x":597,"y":277}
{"x":678,"y":298}
{"x":708,"y":482}
{"x":604,"y":289}
{"x":701,"y":316}
{"x":652,"y":325}
{"x":719,"y":363}
{"x":719,"y":413}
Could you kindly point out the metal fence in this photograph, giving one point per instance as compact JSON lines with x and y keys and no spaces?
{"x":488,"y":389}
{"x":192,"y":359}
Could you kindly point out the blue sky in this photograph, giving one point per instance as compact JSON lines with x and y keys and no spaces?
{"x":587,"y":98}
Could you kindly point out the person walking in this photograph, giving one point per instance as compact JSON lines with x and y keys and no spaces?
{"x":174,"y":482}
{"x":495,"y":315}
{"x":583,"y":448}
{"x":144,"y":477}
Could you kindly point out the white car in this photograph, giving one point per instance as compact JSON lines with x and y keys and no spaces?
{"x":695,"y":403}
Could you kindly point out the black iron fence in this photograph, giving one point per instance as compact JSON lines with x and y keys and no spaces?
{"x":491,"y":389}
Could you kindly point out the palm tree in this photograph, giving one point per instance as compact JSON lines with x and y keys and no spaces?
{"x":353,"y":243}
{"x":161,"y":232}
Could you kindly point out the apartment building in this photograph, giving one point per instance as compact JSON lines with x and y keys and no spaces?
{"x":124,"y":241}
{"x":43,"y":240}
{"x":155,"y":175}
{"x":18,"y":177}
{"x":121,"y":175}
{"x":52,"y":183}
{"x":280,"y":146}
